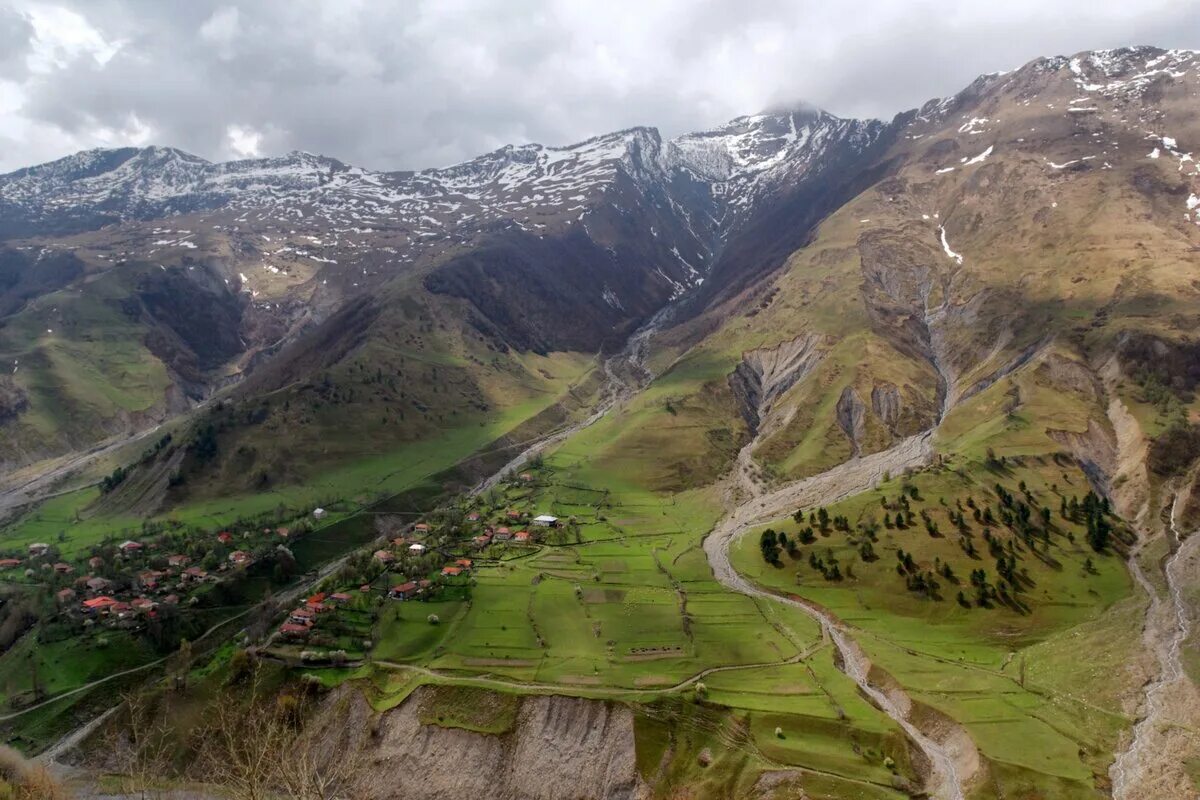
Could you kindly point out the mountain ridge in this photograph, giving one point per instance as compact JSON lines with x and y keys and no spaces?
{"x":539,"y":248}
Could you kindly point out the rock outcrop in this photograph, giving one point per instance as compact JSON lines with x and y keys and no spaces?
{"x":559,"y":748}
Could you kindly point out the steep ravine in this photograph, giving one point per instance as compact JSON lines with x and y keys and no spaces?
{"x":625,"y":373}
{"x":1148,"y":768}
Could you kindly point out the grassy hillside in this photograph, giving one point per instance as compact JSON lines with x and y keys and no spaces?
{"x":999,"y":662}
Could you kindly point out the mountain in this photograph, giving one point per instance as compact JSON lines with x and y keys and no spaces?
{"x":876,"y":444}
{"x":1032,"y":224}
{"x":203,"y":270}
{"x":282,"y":277}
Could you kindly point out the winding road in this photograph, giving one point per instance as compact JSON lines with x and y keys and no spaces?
{"x":952,"y":760}
{"x":100,"y":681}
{"x":950,"y":767}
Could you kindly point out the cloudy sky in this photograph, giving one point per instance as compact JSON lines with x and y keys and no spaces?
{"x":417,"y":83}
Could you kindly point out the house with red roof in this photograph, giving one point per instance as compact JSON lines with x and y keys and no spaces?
{"x":63,"y":568}
{"x":403,"y":591}
{"x":130,"y":547}
{"x":317,"y":608}
{"x":464,"y":563}
{"x":521,"y":536}
{"x":194,"y":574}
{"x":451,"y":572}
{"x":9,"y":563}
{"x":224,"y":537}
{"x":340,"y":597}
{"x":293,"y":631}
{"x":239,"y":557}
{"x":302,"y":616}
{"x":178,"y":560}
{"x":383,"y":556}
{"x":98,"y":605}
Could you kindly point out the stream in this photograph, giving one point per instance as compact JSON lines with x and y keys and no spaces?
{"x":1166,"y":628}
{"x":846,"y":479}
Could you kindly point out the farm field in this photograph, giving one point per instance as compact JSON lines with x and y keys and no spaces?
{"x":623,"y":605}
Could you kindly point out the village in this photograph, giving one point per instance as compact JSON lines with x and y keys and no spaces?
{"x":135,"y":584}
{"x":123,"y":584}
{"x":433,"y":558}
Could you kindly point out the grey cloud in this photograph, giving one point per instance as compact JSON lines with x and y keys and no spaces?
{"x":16,"y":34}
{"x":423,"y":83}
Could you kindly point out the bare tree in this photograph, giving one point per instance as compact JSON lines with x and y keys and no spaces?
{"x":141,"y":749}
{"x":256,"y":749}
{"x":240,"y":747}
{"x":314,"y":772}
{"x":25,"y":780}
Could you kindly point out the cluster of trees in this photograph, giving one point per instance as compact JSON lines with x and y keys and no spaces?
{"x":827,"y":565}
{"x":118,"y":475}
{"x":771,"y":543}
{"x":113,"y":480}
{"x":904,"y":515}
{"x":918,"y":580}
{"x":823,"y":522}
{"x":985,"y":593}
{"x":1029,"y":523}
{"x":1094,"y":512}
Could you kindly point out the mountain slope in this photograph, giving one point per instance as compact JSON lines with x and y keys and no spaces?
{"x":211,"y":270}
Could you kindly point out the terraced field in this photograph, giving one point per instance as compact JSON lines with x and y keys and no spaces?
{"x":632,"y":611}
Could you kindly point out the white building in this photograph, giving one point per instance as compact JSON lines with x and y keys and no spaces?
{"x":545,"y":521}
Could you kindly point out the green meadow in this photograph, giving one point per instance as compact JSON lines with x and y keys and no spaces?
{"x":1041,"y":717}
{"x":632,"y":612}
